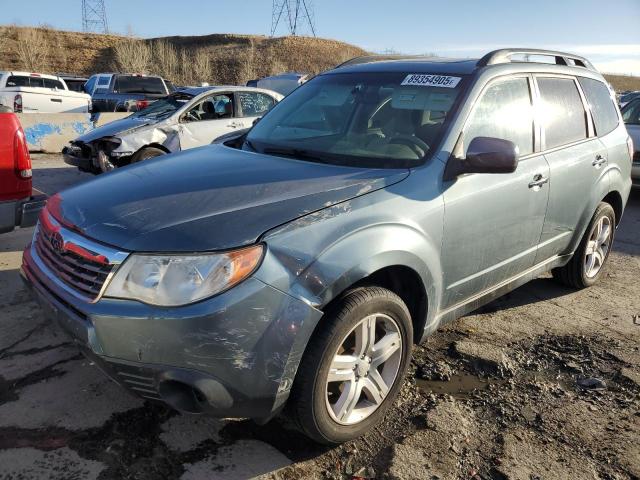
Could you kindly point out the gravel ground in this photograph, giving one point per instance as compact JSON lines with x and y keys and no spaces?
{"x":541,"y":384}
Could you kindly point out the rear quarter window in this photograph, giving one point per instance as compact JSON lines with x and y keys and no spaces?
{"x":603,"y":109}
{"x":563,"y":115}
{"x":18,"y":81}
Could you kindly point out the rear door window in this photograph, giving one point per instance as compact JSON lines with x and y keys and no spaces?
{"x":605,"y":115}
{"x":504,"y":111}
{"x":562,"y":112}
{"x":254,"y":104}
{"x":53,"y":83}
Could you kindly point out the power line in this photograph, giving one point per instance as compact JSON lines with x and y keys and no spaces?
{"x":94,"y":16}
{"x":294,"y":14}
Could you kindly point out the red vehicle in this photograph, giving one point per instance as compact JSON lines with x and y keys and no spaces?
{"x":19,"y":207}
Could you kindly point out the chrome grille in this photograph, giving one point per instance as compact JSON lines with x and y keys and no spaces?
{"x":72,"y":259}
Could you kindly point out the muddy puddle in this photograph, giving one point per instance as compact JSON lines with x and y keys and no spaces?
{"x":459,"y":386}
{"x":463,"y":386}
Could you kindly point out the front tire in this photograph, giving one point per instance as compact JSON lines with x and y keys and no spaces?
{"x":587,"y":264}
{"x":353,"y":367}
{"x":147,"y":153}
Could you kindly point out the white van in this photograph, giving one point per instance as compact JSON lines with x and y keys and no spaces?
{"x":25,"y":92}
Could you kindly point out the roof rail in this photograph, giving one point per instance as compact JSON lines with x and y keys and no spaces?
{"x":379,"y":58}
{"x":504,"y":56}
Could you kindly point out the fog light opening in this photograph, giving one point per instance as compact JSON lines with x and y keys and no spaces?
{"x":181,"y":396}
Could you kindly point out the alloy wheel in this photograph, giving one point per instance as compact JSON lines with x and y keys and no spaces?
{"x":364,"y":368}
{"x":598,"y":247}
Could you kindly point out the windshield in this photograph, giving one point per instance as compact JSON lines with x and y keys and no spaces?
{"x":164,"y":106}
{"x":388,"y":120}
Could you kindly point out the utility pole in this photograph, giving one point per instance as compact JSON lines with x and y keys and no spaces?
{"x":293,"y":14}
{"x":94,"y":16}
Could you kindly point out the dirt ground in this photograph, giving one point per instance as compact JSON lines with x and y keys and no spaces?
{"x":542,"y":384}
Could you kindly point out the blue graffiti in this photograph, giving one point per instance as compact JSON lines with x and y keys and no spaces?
{"x":37,"y":132}
{"x":82,"y":127}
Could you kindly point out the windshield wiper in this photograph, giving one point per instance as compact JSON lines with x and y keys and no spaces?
{"x":295,"y":153}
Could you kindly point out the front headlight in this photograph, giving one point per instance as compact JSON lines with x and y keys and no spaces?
{"x":173,"y":280}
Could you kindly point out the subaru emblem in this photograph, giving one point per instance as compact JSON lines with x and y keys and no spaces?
{"x":57,"y":242}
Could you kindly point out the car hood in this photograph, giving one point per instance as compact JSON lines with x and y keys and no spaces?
{"x":209,"y":198}
{"x":113,"y":129}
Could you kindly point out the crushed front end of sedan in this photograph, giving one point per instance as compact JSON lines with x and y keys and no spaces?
{"x":186,"y":119}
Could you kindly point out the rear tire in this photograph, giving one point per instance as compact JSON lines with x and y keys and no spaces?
{"x":147,"y":153}
{"x":353,"y":367}
{"x":588,"y":261}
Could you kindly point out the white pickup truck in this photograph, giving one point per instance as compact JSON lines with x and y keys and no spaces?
{"x":26,"y":92}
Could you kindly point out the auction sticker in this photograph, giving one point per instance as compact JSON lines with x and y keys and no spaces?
{"x":426,"y":80}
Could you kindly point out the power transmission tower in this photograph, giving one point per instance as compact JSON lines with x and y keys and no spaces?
{"x":94,"y":16}
{"x":293,"y":14}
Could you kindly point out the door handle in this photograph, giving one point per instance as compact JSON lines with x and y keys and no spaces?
{"x":232,"y":125}
{"x":600,"y":160}
{"x":538,"y":181}
{"x":57,"y":100}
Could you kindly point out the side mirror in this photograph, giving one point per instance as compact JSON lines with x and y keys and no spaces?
{"x":484,"y":155}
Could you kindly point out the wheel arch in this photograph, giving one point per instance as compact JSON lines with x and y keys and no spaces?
{"x":405,"y":282}
{"x":159,"y":146}
{"x":614,"y":198}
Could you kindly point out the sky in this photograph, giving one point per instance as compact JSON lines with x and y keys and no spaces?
{"x":606,"y":32}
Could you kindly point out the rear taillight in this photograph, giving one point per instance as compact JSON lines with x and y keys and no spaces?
{"x":17,"y":103}
{"x":630,"y":147}
{"x":21,"y":158}
{"x":140,"y":104}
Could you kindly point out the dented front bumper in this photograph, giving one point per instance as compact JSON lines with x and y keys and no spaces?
{"x":233,"y":355}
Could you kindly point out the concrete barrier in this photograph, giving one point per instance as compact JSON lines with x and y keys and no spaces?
{"x":50,"y":132}
{"x":102,"y":118}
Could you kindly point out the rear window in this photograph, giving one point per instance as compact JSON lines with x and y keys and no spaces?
{"x":603,"y":109}
{"x":132,"y":84}
{"x":563,"y":115}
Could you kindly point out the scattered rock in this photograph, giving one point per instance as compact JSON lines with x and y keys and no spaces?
{"x":592,"y":383}
{"x":630,"y":376}
{"x":526,"y":456}
{"x":436,"y":451}
{"x":484,"y":357}
{"x":439,"y":371}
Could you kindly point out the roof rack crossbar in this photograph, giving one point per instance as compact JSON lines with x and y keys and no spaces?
{"x":504,"y":56}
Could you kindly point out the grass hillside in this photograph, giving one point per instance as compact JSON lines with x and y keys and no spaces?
{"x":216,"y":58}
{"x":229,"y":58}
{"x":622,"y":83}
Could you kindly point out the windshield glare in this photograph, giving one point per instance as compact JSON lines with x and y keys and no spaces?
{"x":164,"y":106}
{"x":357,"y":119}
